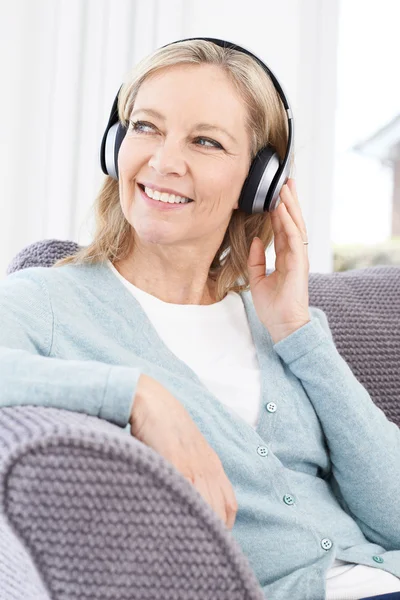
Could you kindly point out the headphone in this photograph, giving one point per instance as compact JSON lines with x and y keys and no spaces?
{"x":266,"y":176}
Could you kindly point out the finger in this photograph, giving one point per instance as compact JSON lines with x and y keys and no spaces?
{"x":256,"y":261}
{"x":293,"y":234}
{"x":280,"y":238}
{"x":231,"y":505}
{"x":292,"y":186}
{"x":229,"y":499}
{"x":291,"y":202}
{"x":279,"y":229}
{"x":212,"y":496}
{"x":289,"y":197}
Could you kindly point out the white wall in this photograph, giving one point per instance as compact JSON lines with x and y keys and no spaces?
{"x":368,"y":98}
{"x":64,"y":60}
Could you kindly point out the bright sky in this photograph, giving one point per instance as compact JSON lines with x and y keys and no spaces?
{"x":368,"y":97}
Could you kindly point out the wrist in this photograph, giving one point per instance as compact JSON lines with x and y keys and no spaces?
{"x":279,"y":335}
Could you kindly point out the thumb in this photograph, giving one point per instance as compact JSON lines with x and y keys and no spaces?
{"x":256,"y":262}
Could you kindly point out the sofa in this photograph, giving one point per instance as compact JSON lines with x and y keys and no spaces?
{"x":87,"y":511}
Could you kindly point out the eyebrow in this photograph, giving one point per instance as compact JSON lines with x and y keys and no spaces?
{"x":197,"y":126}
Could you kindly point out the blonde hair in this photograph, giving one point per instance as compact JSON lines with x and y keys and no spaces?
{"x":266,"y":124}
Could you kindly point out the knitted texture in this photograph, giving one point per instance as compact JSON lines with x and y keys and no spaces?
{"x":363,"y":310}
{"x":42,"y":254}
{"x":90,"y":512}
{"x":19,"y":577}
{"x":362,"y":306}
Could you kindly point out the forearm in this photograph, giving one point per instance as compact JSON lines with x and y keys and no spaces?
{"x":95,"y":388}
{"x":364,"y":446}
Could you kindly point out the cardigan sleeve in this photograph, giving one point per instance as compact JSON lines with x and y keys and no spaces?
{"x":28,"y":375}
{"x":364,"y":445}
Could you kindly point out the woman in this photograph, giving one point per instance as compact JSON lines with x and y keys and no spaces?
{"x":168,"y":325}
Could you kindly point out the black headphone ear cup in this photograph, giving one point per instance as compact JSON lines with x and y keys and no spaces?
{"x":110,"y":146}
{"x":112,"y":139}
{"x":260,"y":183}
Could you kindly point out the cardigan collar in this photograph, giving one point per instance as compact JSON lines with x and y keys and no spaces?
{"x":106,"y":283}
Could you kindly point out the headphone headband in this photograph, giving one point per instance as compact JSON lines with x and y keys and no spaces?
{"x":267,"y":175}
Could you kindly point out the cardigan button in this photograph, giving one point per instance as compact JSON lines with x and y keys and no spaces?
{"x":288,"y":499}
{"x":326,"y":544}
{"x":378,"y":559}
{"x":262,"y":450}
{"x":271,"y":407}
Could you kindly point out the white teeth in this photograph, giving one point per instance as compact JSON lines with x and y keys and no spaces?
{"x":164,"y":197}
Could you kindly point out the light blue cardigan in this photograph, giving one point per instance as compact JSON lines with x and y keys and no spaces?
{"x":318,"y":478}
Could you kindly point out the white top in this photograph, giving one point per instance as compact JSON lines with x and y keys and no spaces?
{"x":215,"y":341}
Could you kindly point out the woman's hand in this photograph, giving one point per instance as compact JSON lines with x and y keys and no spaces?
{"x":281,"y":298}
{"x":160,"y":421}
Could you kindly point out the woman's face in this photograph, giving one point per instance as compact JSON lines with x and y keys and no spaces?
{"x":171,"y":150}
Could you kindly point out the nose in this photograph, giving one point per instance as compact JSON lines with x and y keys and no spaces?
{"x":167,"y":158}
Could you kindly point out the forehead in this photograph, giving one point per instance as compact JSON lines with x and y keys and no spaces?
{"x":193,"y":93}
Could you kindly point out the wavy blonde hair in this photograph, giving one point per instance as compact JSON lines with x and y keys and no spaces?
{"x":266,"y":123}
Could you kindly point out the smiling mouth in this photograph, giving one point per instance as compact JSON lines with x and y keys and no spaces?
{"x":142,"y":188}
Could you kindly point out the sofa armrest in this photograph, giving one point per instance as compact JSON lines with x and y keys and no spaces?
{"x":100,"y":514}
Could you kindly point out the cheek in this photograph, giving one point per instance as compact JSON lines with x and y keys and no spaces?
{"x":126,"y":193}
{"x":124,"y":203}
{"x":224,"y":188}
{"x":225,"y":177}
{"x":128,"y":160}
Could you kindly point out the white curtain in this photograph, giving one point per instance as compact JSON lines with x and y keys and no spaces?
{"x":63,"y":61}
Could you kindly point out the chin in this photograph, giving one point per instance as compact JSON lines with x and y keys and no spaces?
{"x":153,"y":237}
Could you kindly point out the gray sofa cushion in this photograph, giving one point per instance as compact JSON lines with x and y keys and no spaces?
{"x":363,"y":310}
{"x":87,"y":511}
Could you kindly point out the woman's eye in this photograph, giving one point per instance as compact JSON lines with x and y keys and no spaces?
{"x":137,"y":126}
{"x":215,"y":144}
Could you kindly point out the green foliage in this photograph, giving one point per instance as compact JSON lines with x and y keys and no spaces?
{"x":357,"y":256}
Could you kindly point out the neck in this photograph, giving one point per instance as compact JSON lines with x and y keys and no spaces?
{"x":173,"y":284}
{"x":177,"y":273}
